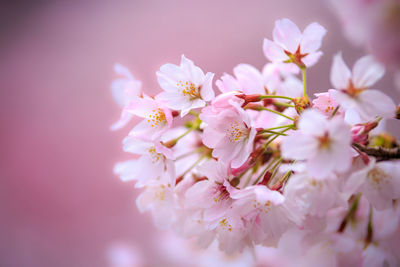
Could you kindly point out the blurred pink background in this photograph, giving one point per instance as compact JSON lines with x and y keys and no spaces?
{"x":60,"y":203}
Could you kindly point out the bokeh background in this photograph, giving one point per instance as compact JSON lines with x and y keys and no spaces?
{"x":60,"y":203}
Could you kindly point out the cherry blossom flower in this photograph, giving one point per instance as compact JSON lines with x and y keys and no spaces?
{"x":124,"y":90}
{"x":280,"y":79}
{"x":185,"y":86}
{"x":264,"y":211}
{"x":378,"y":181}
{"x":210,"y":195}
{"x":352,"y":93}
{"x":229,"y":133}
{"x":248,"y":80}
{"x":155,"y":158}
{"x":319,"y":141}
{"x":157,"y":118}
{"x":290,"y":45}
{"x":312,"y":196}
{"x":160,"y":199}
{"x":326,"y":104}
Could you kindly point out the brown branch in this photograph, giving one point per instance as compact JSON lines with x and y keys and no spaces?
{"x":379,"y":153}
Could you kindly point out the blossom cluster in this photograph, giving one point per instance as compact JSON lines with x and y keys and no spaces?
{"x":261,"y":163}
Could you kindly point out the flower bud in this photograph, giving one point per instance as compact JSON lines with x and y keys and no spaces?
{"x":360,"y":132}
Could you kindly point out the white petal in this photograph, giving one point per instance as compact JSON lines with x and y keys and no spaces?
{"x":136,"y":146}
{"x":206,"y":91}
{"x":123,"y":71}
{"x":166,"y":82}
{"x":194,"y":73}
{"x":375,"y":103}
{"x":340,"y":73}
{"x":299,"y":146}
{"x":367,"y":71}
{"x":173,"y":72}
{"x":312,"y":38}
{"x":124,"y":170}
{"x":313,"y":123}
{"x":311,"y":59}
{"x":287,"y":34}
{"x":228,"y":84}
{"x":321,"y":165}
{"x":124,"y":119}
{"x":249,"y":78}
{"x":274,"y":52}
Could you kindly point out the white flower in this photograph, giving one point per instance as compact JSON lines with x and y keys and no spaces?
{"x":124,"y":90}
{"x":378,"y":181}
{"x":154,"y":158}
{"x":185,"y":86}
{"x":323,"y":143}
{"x":352,"y":93}
{"x":290,"y":45}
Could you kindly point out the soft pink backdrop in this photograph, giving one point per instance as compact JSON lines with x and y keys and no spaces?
{"x":60,"y":203}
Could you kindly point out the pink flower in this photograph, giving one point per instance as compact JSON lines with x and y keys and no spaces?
{"x":323,"y":143}
{"x":185,"y":86}
{"x":123,"y":91}
{"x":352,"y":93}
{"x":326,"y":104}
{"x":155,"y":158}
{"x":248,"y":80}
{"x":279,"y":79}
{"x":264,"y":213}
{"x":290,"y":45}
{"x":157,"y":117}
{"x":210,"y":196}
{"x":312,"y":196}
{"x":379,"y":182}
{"x":160,"y":199}
{"x":228,"y":132}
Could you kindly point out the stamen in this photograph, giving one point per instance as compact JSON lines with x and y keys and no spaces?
{"x":157,"y":117}
{"x":188,"y":89}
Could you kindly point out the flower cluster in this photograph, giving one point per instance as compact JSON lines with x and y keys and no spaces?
{"x":262,"y":164}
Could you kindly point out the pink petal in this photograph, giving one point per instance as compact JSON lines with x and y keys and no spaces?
{"x":124,"y":119}
{"x":249,"y":78}
{"x":375,"y":103}
{"x":287,"y":35}
{"x":172,"y":71}
{"x":206,"y":91}
{"x":340,"y":73}
{"x":123,"y":71}
{"x":194,"y":73}
{"x":312,"y":122}
{"x":311,"y":59}
{"x":367,"y":71}
{"x":312,"y":38}
{"x":274,"y":52}
{"x":298,"y":146}
{"x":228,"y":84}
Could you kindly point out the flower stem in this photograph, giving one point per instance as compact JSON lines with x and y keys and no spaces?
{"x":263,"y":172}
{"x":276,"y":136}
{"x":370,"y":229}
{"x":279,"y":127}
{"x":283,"y":104}
{"x":350,"y":214}
{"x":303,"y":71}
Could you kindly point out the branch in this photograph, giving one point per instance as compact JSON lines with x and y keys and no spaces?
{"x":380,"y":153}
